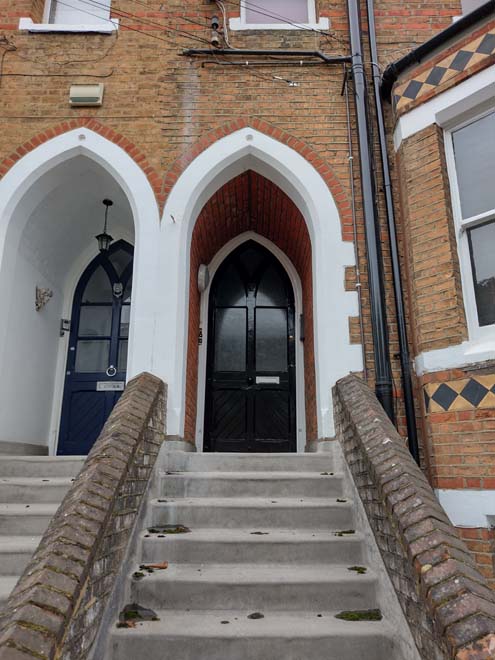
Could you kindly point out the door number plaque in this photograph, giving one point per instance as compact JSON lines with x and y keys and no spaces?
{"x":110,"y":386}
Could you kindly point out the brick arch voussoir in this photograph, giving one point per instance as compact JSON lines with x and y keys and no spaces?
{"x":105,"y":131}
{"x":322,"y":166}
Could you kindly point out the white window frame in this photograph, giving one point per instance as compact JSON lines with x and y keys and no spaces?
{"x":476,"y":332}
{"x":239,"y":23}
{"x":105,"y":26}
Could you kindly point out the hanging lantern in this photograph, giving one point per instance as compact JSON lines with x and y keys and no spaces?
{"x":105,"y":239}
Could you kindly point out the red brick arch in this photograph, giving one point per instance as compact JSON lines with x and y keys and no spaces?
{"x":321,"y":166}
{"x":129,"y":147}
{"x":249,"y":202}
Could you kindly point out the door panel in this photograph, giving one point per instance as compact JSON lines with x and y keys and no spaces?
{"x":97,"y":356}
{"x":250,"y":391}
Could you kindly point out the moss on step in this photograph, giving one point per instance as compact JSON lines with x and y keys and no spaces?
{"x":169,"y":529}
{"x":345,"y":532}
{"x":359,"y":615}
{"x":361,"y":570}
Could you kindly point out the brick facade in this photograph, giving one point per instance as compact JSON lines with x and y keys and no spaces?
{"x":165,"y":109}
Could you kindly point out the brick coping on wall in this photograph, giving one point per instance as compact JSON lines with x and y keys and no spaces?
{"x":437,"y":565}
{"x":56,"y":607}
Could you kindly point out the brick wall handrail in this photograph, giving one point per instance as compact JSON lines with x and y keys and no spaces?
{"x":56,"y":607}
{"x":447,"y":603}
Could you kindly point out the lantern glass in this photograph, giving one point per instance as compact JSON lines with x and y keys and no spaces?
{"x":104,"y":241}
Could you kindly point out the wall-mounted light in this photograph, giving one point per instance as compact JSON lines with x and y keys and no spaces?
{"x":105,"y":239}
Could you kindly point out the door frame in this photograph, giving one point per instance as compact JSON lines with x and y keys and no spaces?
{"x":295,"y":281}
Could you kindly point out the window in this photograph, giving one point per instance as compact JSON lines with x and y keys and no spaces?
{"x":78,"y":12}
{"x":473,"y":164}
{"x":73,"y":16}
{"x":277,"y":15}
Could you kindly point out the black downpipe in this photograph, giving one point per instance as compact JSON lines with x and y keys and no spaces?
{"x":383,"y":386}
{"x":412,"y":434}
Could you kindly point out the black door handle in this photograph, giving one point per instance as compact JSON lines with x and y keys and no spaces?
{"x":250,"y":380}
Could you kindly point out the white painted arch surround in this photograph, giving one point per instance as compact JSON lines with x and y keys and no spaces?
{"x":225,"y":159}
{"x":295,"y":281}
{"x":22,"y":189}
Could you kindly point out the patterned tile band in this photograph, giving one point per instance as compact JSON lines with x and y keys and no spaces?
{"x":464,"y":394}
{"x":443,"y":71}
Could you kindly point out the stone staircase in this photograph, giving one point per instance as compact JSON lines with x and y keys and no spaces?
{"x":31,"y":489}
{"x":275,"y":550}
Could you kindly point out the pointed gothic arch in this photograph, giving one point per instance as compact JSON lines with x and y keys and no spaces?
{"x":30,"y":181}
{"x":226,"y":158}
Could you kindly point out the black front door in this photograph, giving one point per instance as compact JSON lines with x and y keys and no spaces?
{"x":97,"y":358}
{"x":250,"y":388}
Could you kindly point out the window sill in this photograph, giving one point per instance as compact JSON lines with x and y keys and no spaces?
{"x":462,"y":355}
{"x":106,"y":27}
{"x":237,"y":24}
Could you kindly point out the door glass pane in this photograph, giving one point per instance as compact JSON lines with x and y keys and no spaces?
{"x":95,"y":321}
{"x":474,"y":147}
{"x":125,"y":315}
{"x":279,"y":11}
{"x":230,"y":339}
{"x":482,"y":248}
{"x":251,"y":259}
{"x":120,"y":259}
{"x":271,"y":290}
{"x":98,"y":289}
{"x":122,"y":361}
{"x":230,"y":290}
{"x":92,"y":355}
{"x":271,"y":340}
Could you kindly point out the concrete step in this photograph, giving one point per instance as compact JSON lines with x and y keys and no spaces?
{"x":25,"y":519}
{"x":15,"y":553}
{"x":230,"y":462}
{"x":253,"y":513}
{"x":194,"y":635}
{"x":7,"y":583}
{"x":270,"y":546}
{"x":255,"y":586}
{"x":251,"y":484}
{"x":41,"y":466}
{"x":34,"y":489}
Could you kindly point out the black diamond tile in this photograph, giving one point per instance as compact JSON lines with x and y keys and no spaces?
{"x":492,"y":389}
{"x":444,"y":396}
{"x":474,"y":392}
{"x":436,"y":75}
{"x":427,"y":400}
{"x":487,"y":46}
{"x":461,"y":60}
{"x":412,"y":89}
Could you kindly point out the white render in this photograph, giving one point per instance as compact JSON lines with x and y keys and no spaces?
{"x":468,"y":508}
{"x":46,"y":242}
{"x":228,"y":157}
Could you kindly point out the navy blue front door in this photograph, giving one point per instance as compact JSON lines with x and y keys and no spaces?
{"x":97,"y":356}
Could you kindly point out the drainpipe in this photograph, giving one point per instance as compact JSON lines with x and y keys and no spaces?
{"x":383,"y":372}
{"x":405,"y":362}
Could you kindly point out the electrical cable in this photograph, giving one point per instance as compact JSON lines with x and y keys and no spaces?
{"x":283,"y":19}
{"x":128,"y":15}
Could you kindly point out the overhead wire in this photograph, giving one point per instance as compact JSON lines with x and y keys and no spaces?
{"x":129,"y":15}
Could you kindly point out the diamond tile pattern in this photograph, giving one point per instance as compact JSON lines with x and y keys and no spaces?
{"x":462,"y":394}
{"x":446,"y":69}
